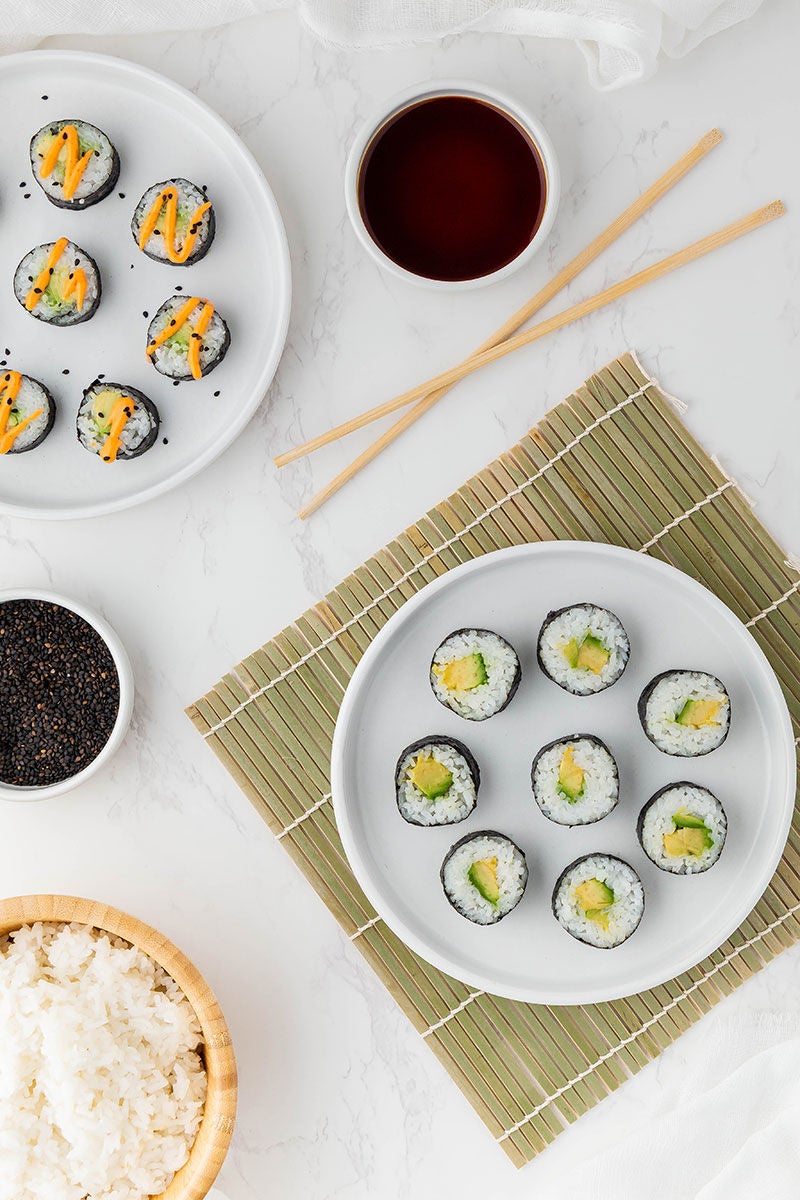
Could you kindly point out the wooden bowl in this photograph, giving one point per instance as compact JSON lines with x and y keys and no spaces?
{"x":196,"y":1176}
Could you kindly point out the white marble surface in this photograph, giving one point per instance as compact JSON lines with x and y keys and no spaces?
{"x":339,"y":1096}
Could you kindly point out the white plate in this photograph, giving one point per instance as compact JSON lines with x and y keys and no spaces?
{"x":672,"y":622}
{"x":160,"y":131}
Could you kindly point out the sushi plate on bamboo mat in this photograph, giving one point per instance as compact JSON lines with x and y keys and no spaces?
{"x":160,"y":132}
{"x":612,"y":464}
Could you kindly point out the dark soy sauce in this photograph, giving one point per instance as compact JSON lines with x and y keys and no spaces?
{"x":451,"y":188}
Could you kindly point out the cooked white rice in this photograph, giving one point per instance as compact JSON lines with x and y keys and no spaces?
{"x":578,"y":622}
{"x":456,"y":804}
{"x":29,"y":399}
{"x":512,"y":877}
{"x":102,"y":1086}
{"x":657,"y":820}
{"x":665,"y":702}
{"x":502,"y":670}
{"x":624,"y":913}
{"x":600,"y":784}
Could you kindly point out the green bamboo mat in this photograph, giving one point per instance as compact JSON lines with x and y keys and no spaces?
{"x":613,"y":463}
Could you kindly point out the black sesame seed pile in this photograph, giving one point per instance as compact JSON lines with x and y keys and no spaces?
{"x":59,"y":693}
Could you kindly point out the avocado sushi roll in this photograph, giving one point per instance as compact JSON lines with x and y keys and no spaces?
{"x":187,"y":338}
{"x":436,"y":781}
{"x":575,"y":780}
{"x":484,"y":876}
{"x":599,"y":900}
{"x":583,"y":648}
{"x":475,"y":673}
{"x":685,"y":713}
{"x":58,"y":283}
{"x":27,"y":413}
{"x":116,"y":422}
{"x":682,"y":828}
{"x":74,"y":163}
{"x":174,"y":223}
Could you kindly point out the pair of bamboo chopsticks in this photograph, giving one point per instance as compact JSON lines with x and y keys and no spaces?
{"x":506,"y":339}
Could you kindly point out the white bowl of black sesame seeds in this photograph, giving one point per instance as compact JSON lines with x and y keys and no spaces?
{"x":66,"y":694}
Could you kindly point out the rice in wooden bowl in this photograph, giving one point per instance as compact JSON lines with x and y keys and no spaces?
{"x":163,"y":1062}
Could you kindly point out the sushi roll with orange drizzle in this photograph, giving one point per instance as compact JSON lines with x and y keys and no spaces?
{"x":58,"y":283}
{"x":116,"y":422}
{"x":187,"y":338}
{"x":27,"y":413}
{"x":174,"y":223}
{"x":74,"y":163}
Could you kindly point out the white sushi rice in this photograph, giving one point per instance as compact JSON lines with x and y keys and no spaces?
{"x":134,"y":431}
{"x":172,"y":356}
{"x":577,"y":622}
{"x":96,"y":173}
{"x":600,"y":784}
{"x":658,"y":820}
{"x":624,"y":913}
{"x":512,"y":877}
{"x":666,"y":701}
{"x":102,"y":1087}
{"x":502,"y":667}
{"x":456,"y":804}
{"x":29,"y":399}
{"x":190,"y":198}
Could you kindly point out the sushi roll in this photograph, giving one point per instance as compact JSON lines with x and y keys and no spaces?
{"x":583,"y":648}
{"x":58,"y":283}
{"x":599,"y":900}
{"x":436,"y":781}
{"x":116,"y":422}
{"x":475,"y":672}
{"x":74,"y":163}
{"x":27,"y":413}
{"x":685,"y":713}
{"x":187,"y":338}
{"x":575,"y":780}
{"x":682,"y":828}
{"x":174,"y":223}
{"x":484,"y":876}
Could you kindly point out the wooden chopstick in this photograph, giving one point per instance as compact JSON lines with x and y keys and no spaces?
{"x":672,"y":262}
{"x":542,"y":297}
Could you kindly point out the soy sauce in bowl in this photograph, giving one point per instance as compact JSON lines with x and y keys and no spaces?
{"x":452,"y":188}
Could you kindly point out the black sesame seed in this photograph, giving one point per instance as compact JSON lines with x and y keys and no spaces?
{"x":216,"y":393}
{"x":145,"y":313}
{"x":178,"y":287}
{"x":175,"y":382}
{"x":59,"y":693}
{"x":23,"y":184}
{"x":65,"y":371}
{"x":7,"y":350}
{"x":101,"y":375}
{"x":166,"y":441}
{"x":45,"y":97}
{"x":122,"y":195}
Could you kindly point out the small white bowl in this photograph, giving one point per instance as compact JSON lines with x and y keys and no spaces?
{"x":476,"y":91}
{"x":124,"y":672}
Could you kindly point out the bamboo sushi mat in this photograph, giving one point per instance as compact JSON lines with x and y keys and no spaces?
{"x":612,"y":463}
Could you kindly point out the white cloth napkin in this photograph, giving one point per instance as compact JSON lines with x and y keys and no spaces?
{"x":621,"y":39}
{"x":727,"y":1130}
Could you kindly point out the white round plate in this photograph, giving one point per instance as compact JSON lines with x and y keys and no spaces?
{"x":672,"y":622}
{"x":160,"y":131}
